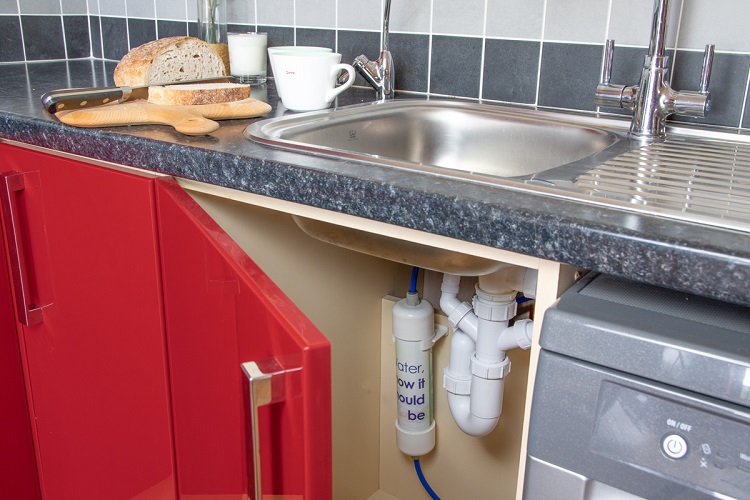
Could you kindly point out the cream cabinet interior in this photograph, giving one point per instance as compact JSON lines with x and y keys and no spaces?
{"x":348,"y":295}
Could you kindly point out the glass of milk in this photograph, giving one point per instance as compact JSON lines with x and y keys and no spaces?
{"x":248,"y":57}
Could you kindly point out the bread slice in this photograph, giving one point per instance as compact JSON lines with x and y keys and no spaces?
{"x":197,"y":93}
{"x":171,"y":59}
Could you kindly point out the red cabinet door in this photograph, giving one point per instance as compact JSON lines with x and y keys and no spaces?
{"x":18,"y":476}
{"x":94,"y":346}
{"x":222,"y":311}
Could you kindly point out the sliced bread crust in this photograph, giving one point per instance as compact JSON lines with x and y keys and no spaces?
{"x":197,"y":93}
{"x":170,"y":59}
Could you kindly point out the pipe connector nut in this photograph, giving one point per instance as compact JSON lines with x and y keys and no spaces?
{"x":495,"y":311}
{"x":459,"y":313}
{"x":455,"y":385}
{"x":490,"y":371}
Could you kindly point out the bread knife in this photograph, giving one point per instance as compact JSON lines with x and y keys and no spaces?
{"x":67,"y":99}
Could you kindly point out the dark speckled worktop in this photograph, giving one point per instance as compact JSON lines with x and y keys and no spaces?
{"x":705,"y":260}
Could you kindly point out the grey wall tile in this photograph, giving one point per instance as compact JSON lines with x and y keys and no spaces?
{"x":115,"y":38}
{"x":458,"y":18}
{"x":410,"y":17}
{"x":193,"y":29}
{"x":8,"y":7}
{"x":192,"y":10}
{"x":175,"y":10}
{"x":360,"y":15}
{"x":515,"y":18}
{"x":10,"y":39}
{"x":241,"y":12}
{"x":112,"y":8}
{"x":569,"y":74}
{"x":43,"y":37}
{"x":317,"y":38}
{"x":278,"y":36}
{"x":411,"y":54}
{"x":575,"y":21}
{"x":727,"y":86}
{"x":141,"y":8}
{"x":721,"y":22}
{"x":456,"y":66}
{"x":40,"y":6}
{"x":317,"y":14}
{"x":276,"y":12}
{"x":353,"y":43}
{"x":93,"y":6}
{"x":510,"y":71}
{"x":141,"y":31}
{"x":171,"y":28}
{"x":630,"y":22}
{"x":77,"y":41}
{"x":74,"y":6}
{"x":96,"y":36}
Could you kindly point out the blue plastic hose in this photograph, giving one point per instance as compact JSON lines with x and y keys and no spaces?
{"x":414,"y":274}
{"x":424,"y":482}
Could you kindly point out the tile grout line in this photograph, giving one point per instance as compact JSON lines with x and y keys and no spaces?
{"x":541,"y":54}
{"x":484,"y":52}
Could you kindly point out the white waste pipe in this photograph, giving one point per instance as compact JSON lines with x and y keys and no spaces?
{"x":474,"y":378}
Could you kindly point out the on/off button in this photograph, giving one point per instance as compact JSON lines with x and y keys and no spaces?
{"x":674,"y":446}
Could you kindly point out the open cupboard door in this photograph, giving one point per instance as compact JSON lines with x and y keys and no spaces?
{"x":228,"y":323}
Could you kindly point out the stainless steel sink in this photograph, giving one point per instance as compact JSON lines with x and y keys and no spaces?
{"x":454,"y":138}
{"x":475,"y":142}
{"x":695,"y":174}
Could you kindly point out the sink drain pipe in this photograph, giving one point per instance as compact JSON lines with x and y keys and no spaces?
{"x":478,"y":365}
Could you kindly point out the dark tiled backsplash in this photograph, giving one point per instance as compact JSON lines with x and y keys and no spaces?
{"x":462,"y":66}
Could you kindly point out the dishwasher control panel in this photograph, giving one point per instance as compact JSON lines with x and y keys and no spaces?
{"x":684,"y":440}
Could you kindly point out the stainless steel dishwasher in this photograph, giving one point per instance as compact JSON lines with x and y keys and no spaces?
{"x":641,"y":392}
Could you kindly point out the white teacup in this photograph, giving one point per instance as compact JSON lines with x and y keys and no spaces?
{"x":306,"y":81}
{"x":291,"y":48}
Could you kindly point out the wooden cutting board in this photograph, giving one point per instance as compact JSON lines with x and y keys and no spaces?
{"x":189,"y":120}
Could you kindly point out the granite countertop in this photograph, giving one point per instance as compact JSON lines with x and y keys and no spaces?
{"x":686,"y":256}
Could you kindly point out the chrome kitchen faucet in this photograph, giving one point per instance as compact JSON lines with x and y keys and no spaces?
{"x":652,"y":100}
{"x":379,"y":73}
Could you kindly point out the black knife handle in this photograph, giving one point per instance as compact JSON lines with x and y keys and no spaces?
{"x":67,"y":99}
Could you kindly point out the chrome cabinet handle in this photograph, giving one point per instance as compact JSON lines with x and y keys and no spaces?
{"x":13,"y":182}
{"x":267,"y":380}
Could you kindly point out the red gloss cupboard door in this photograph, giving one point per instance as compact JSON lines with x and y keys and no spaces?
{"x":222,"y":311}
{"x":94,"y":350}
{"x":18,"y":476}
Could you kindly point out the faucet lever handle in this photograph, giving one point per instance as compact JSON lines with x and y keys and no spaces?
{"x":708,"y":60}
{"x":609,"y":51}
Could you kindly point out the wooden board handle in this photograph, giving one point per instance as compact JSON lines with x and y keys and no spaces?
{"x":189,"y":120}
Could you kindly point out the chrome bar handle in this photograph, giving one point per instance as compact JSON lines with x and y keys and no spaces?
{"x":28,"y":314}
{"x":708,"y":61}
{"x":609,"y":52}
{"x":267,"y":381}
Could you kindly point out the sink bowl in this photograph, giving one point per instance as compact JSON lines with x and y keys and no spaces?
{"x":474,"y":142}
{"x":453,"y":138}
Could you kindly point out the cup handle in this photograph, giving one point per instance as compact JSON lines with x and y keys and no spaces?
{"x":335,"y":70}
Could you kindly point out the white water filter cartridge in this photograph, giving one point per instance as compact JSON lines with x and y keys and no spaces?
{"x":413,"y":332}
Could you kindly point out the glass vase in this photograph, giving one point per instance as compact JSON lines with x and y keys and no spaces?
{"x":212,"y":20}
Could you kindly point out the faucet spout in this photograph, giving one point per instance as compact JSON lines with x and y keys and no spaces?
{"x":380,"y":73}
{"x":653,"y":100}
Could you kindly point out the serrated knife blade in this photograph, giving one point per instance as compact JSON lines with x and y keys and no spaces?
{"x":68,"y":99}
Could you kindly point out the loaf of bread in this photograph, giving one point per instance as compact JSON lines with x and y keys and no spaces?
{"x":197,"y":93}
{"x":170,"y":59}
